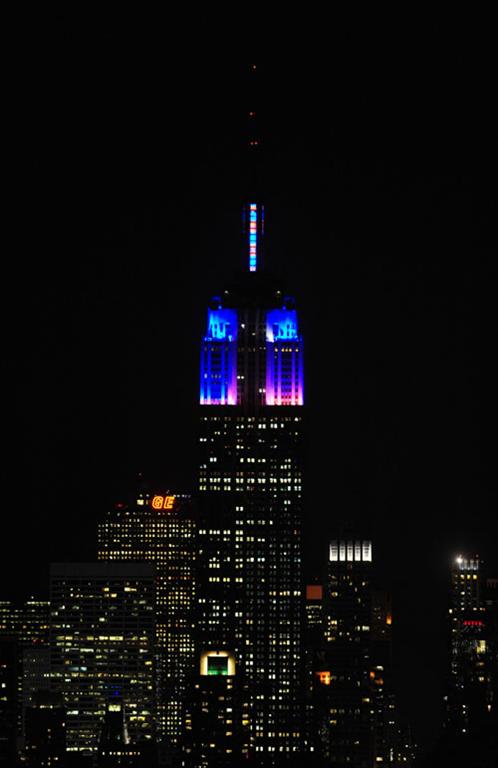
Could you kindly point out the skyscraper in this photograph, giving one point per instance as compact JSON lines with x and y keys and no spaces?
{"x":249,"y":591}
{"x":469,"y":684}
{"x":347,"y":727}
{"x":159,"y":529}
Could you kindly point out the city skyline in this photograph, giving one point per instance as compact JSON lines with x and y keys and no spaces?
{"x":407,"y":318}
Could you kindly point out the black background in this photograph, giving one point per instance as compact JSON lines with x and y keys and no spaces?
{"x":126,"y":168}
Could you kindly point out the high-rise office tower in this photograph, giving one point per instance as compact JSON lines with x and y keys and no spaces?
{"x":469,"y":687}
{"x":345,"y":684}
{"x":160,"y":529}
{"x":249,"y":592}
{"x":102,"y":639}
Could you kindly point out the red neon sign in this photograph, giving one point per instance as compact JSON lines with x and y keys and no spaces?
{"x":162,"y":502}
{"x":473,"y":623}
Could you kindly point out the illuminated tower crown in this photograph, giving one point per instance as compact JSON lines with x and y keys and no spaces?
{"x":252,"y":353}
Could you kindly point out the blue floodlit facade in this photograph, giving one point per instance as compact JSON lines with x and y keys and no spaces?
{"x":284,"y":359}
{"x":219,"y":358}
{"x":279,"y":357}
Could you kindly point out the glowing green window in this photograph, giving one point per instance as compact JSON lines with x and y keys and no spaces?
{"x":217,"y":665}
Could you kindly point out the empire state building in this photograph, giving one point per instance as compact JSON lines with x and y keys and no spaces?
{"x":249,"y":587}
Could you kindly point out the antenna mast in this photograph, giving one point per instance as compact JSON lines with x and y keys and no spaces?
{"x":253,"y":214}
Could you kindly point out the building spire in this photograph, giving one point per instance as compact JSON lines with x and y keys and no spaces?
{"x":253,"y":212}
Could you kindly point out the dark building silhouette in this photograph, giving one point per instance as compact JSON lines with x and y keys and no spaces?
{"x":9,"y":677}
{"x":381,"y":678}
{"x":115,"y":746}
{"x":314,"y":655}
{"x":351,"y":712}
{"x":44,"y":731}
{"x":492,"y":641}
{"x":469,"y":736}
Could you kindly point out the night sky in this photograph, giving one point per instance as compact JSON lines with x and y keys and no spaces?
{"x":125,"y":173}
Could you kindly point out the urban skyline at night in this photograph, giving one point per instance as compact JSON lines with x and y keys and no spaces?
{"x":377,"y":330}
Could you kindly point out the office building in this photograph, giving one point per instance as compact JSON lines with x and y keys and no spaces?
{"x":469,"y":687}
{"x":345,"y":705}
{"x":102,"y":639}
{"x":159,"y":528}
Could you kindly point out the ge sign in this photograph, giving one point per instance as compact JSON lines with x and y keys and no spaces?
{"x":162,"y":502}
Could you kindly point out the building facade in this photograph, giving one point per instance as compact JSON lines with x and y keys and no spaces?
{"x":159,"y":528}
{"x":102,"y":640}
{"x":345,"y":684}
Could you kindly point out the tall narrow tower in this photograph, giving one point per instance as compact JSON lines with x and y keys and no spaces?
{"x":346,"y":712}
{"x":249,"y":592}
{"x":250,"y":489}
{"x":468,"y":696}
